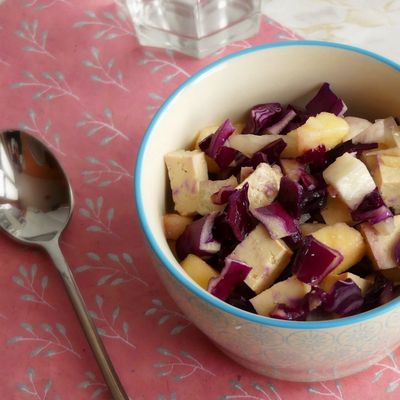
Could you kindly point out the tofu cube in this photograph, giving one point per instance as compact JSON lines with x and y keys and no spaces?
{"x":186,"y":169}
{"x":380,"y":247}
{"x":207,"y":189}
{"x":281,"y":293}
{"x":264,"y":185}
{"x":266,"y":257}
{"x":350,"y":178}
{"x":198,"y":270}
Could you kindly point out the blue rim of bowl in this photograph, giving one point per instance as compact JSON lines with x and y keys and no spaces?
{"x":186,"y":281}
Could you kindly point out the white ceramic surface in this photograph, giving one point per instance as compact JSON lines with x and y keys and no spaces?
{"x":286,"y":72}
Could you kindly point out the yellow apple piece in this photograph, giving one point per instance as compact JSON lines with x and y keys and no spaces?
{"x":281,"y":293}
{"x":308,"y":228}
{"x":324,"y":129}
{"x":174,"y":225}
{"x":380,"y":247}
{"x":346,"y":240}
{"x":198,"y":270}
{"x":336,"y":211}
{"x":363,"y":283}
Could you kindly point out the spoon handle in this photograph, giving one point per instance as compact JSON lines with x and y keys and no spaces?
{"x":88,"y":326}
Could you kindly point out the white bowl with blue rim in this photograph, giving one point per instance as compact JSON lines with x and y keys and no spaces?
{"x":282,"y":72}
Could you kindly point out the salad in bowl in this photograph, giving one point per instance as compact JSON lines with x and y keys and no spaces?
{"x":291,"y":213}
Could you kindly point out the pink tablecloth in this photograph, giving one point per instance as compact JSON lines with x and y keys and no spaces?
{"x":72,"y":74}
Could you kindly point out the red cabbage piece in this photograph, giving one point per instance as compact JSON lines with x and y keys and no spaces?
{"x":308,"y":181}
{"x":213,"y":145}
{"x":257,"y":158}
{"x":198,"y":239}
{"x":223,"y":194}
{"x":290,"y":195}
{"x":285,"y":118}
{"x":233,"y":273}
{"x":261,"y":116}
{"x":273,"y":150}
{"x":316,"y":158}
{"x":382,"y":291}
{"x":326,"y":100}
{"x":314,"y":261}
{"x":300,"y":119}
{"x":372,"y":209}
{"x":314,"y":200}
{"x":300,"y":309}
{"x":344,"y":298}
{"x":348,"y":147}
{"x":293,"y":241}
{"x":238,"y":216}
{"x":276,"y":220}
{"x":296,"y":200}
{"x":289,"y":312}
{"x":240,"y":298}
{"x":269,"y":154}
{"x":372,"y":216}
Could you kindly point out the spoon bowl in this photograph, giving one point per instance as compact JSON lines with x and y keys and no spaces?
{"x":36,"y":203}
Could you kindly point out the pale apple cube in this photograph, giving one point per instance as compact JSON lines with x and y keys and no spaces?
{"x":292,"y":148}
{"x":324,"y":129}
{"x":356,"y":125}
{"x":266,"y":257}
{"x":387,"y":177}
{"x":198,"y":270}
{"x":174,"y":225}
{"x":249,"y":144}
{"x":336,"y":211}
{"x":186,"y":169}
{"x":283,"y":292}
{"x":382,"y":131}
{"x":344,"y":239}
{"x":380,"y":247}
{"x":207,"y":189}
{"x":264,"y":185}
{"x":370,"y":157}
{"x":350,"y":178}
{"x":363,"y":283}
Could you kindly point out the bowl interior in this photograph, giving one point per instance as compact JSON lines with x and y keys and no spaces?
{"x":286,"y":73}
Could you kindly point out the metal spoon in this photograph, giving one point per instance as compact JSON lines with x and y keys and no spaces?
{"x":36,"y":203}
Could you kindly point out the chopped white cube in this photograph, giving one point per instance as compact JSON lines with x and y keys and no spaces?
{"x":350,"y":178}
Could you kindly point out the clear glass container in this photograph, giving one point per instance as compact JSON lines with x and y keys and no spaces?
{"x":194,"y":27}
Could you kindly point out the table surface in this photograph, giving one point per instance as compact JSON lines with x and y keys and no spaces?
{"x":72,"y":74}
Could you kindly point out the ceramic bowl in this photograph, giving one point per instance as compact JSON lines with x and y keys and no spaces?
{"x":284,"y":72}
